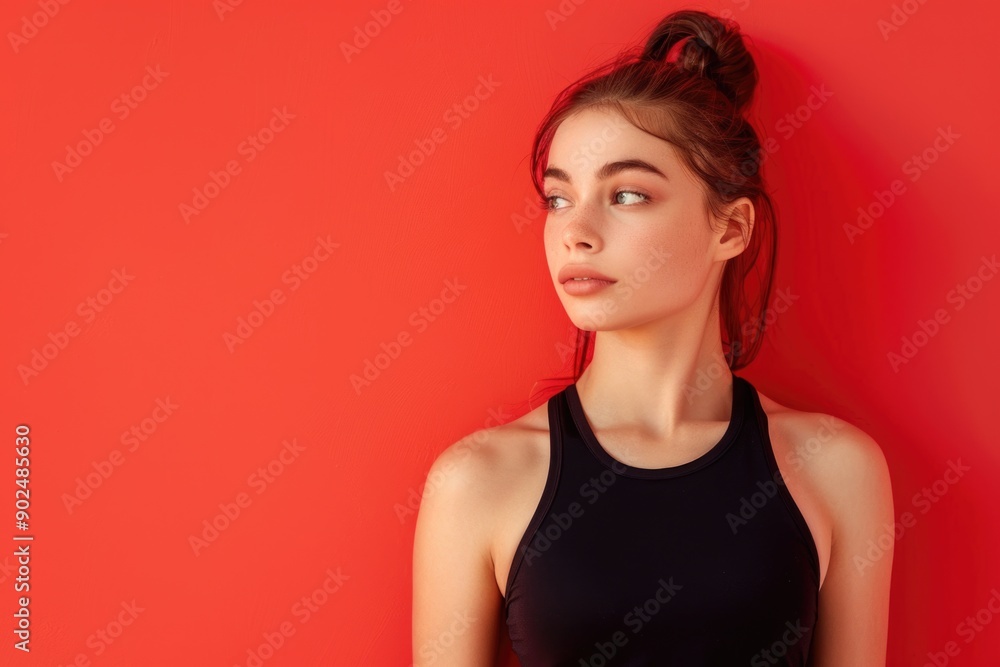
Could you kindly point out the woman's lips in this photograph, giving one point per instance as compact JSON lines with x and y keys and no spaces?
{"x":584,"y":287}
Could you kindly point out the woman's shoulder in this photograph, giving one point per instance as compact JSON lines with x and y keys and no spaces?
{"x":841,"y":462}
{"x":490,"y":480}
{"x":493,"y":462}
{"x":837,"y":475}
{"x":820,"y":442}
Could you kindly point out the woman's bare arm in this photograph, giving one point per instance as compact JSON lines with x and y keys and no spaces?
{"x":854,"y":602}
{"x":456,"y":603}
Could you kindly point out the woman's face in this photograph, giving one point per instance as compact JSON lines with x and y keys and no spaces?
{"x":621,"y":203}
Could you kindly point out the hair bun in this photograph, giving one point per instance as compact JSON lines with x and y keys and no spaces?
{"x":707,"y":46}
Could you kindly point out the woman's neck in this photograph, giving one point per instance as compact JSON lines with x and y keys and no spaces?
{"x":656,"y":379}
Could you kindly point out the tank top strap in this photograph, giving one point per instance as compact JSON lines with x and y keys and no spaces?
{"x":557,"y":415}
{"x":762,"y":434}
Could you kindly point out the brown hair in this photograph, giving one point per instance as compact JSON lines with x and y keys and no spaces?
{"x":691,"y":84}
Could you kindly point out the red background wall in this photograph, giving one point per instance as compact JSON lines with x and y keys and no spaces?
{"x":113,"y":515}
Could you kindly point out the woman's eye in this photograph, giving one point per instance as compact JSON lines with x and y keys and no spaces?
{"x":548,"y":202}
{"x":632,"y":193}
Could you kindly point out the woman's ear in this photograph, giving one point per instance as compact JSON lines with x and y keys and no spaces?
{"x":739,"y":222}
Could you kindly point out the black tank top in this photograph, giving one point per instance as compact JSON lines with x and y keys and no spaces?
{"x":705,"y":563}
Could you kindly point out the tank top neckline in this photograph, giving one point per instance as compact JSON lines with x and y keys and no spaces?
{"x":578,"y":415}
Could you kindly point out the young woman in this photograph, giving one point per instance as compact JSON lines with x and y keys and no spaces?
{"x":659,"y":510}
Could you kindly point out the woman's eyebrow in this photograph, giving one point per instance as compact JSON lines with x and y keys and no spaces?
{"x":608,"y":170}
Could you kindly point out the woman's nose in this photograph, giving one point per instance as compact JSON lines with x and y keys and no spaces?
{"x":583,"y":227}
